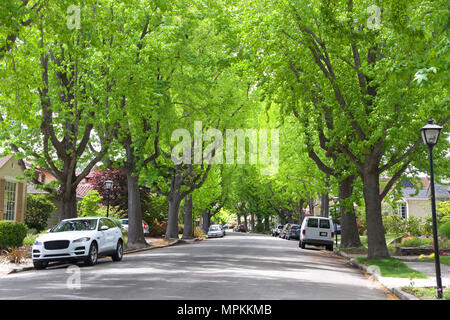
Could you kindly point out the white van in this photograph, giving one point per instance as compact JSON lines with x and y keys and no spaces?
{"x":317,"y":231}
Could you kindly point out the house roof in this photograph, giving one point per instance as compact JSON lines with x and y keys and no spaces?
{"x":82,"y":189}
{"x":4,"y":160}
{"x":412,"y":193}
{"x":440,"y":191}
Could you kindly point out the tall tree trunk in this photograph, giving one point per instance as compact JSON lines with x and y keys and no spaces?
{"x":136,"y":239}
{"x":324,"y":205}
{"x":349,"y":228}
{"x":68,"y":201}
{"x":207,"y":220}
{"x":266,"y":224}
{"x":375,"y":230}
{"x":188,"y":231}
{"x":245,"y":221}
{"x":174,"y":206}
{"x":252,"y":221}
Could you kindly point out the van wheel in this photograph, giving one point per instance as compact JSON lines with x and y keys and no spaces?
{"x":330,"y":247}
{"x":302,"y":244}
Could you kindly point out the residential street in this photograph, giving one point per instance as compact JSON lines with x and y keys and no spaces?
{"x":237,"y":267}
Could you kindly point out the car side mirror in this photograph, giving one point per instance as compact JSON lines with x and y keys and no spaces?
{"x":104,"y":228}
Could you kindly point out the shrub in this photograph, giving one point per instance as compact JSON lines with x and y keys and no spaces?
{"x":260,"y":227}
{"x":416,"y":242}
{"x":198,"y":232}
{"x":443,"y":211}
{"x":16,"y":255}
{"x":12,"y":234}
{"x":413,"y":226}
{"x":157,"y":229}
{"x":39,"y":209}
{"x":444,"y":230}
{"x":394,"y":224}
{"x":90,"y":205}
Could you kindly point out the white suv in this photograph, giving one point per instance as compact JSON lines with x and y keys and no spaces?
{"x":317,"y":231}
{"x":81,"y":239}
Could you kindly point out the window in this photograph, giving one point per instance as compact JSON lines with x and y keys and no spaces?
{"x":110,"y":223}
{"x":402,"y":212}
{"x":324,"y":224}
{"x":10,"y":201}
{"x":313,"y":223}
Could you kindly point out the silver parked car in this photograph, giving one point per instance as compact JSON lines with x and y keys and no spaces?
{"x":216,"y":231}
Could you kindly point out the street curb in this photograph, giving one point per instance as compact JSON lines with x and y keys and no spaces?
{"x":398,"y":292}
{"x":17,"y":270}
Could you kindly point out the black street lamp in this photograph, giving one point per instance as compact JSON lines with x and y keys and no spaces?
{"x":430,"y":135}
{"x":109,"y":185}
{"x":335,"y":200}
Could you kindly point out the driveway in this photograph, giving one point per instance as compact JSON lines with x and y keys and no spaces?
{"x":236,"y":267}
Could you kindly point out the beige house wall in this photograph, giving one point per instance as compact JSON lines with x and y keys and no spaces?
{"x":11,"y":171}
{"x":418,"y":208}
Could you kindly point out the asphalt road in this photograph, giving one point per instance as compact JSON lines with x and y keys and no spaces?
{"x":237,"y":267}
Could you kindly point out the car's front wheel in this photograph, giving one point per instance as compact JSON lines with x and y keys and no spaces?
{"x":118,"y":255}
{"x":92,"y":256}
{"x":40,"y":265}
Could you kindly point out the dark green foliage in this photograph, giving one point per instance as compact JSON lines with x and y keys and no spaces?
{"x":12,"y":234}
{"x":444,"y":230}
{"x":39,"y":209}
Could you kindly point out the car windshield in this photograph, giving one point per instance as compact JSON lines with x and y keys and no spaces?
{"x":295,"y":227}
{"x":214,"y":228}
{"x":76,"y":225}
{"x":124,"y":221}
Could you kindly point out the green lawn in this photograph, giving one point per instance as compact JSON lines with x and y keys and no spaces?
{"x":442,"y":259}
{"x":392,"y":267}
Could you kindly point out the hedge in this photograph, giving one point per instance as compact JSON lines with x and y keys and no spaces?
{"x":444,"y":230}
{"x":12,"y":234}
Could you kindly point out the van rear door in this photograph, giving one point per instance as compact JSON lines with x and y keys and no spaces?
{"x":325,"y":230}
{"x":312,"y":229}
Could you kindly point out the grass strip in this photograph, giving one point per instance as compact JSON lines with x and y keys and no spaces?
{"x":392,"y":267}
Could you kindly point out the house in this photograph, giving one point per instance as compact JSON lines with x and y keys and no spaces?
{"x":416,"y":199}
{"x":13,"y":190}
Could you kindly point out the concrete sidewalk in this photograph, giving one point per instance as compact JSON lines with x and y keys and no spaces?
{"x":395,"y":284}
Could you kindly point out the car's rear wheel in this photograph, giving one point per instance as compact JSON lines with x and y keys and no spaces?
{"x":302,"y":244}
{"x":119,"y":252}
{"x":40,"y":265}
{"x":329,"y":247}
{"x":92,"y":256}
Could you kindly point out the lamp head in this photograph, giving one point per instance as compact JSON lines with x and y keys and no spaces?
{"x":430,"y":133}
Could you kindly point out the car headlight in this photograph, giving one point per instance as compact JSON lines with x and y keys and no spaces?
{"x":37,"y":243}
{"x":84,"y":239}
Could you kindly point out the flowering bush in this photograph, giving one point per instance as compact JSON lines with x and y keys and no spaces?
{"x":157,"y":229}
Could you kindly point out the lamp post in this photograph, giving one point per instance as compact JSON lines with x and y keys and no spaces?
{"x":109,"y":185}
{"x":335,"y":200}
{"x":430,"y":135}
